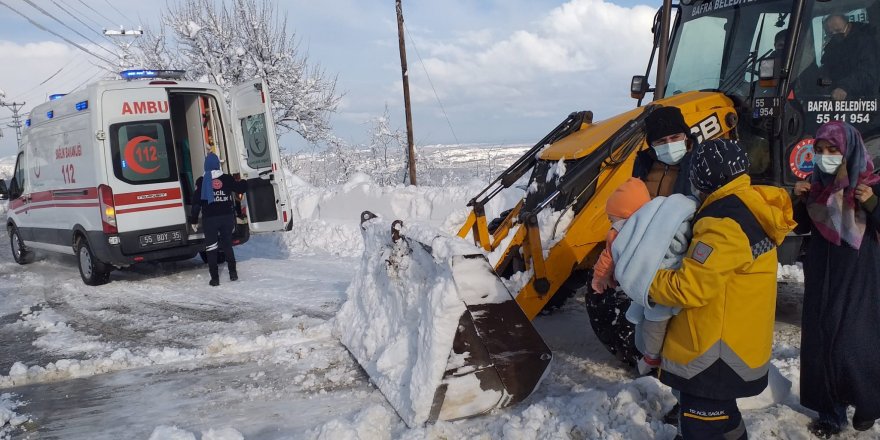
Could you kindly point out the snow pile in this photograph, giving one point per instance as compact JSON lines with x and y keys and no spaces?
{"x":403,"y":310}
{"x":222,"y":434}
{"x":171,"y":433}
{"x":327,"y":219}
{"x":790,"y":274}
{"x":372,"y":423}
{"x":9,"y":419}
{"x":217,"y":346}
{"x":631,"y":410}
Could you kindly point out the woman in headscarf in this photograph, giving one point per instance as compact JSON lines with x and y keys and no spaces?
{"x":217,"y":202}
{"x":840,"y":363}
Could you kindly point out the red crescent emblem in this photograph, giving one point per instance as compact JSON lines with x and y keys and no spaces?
{"x":217,"y":184}
{"x":129,"y":155}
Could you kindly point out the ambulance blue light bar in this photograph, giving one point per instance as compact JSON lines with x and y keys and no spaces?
{"x":82,"y":105}
{"x":27,"y":122}
{"x":50,"y":114}
{"x":151,"y":74}
{"x":56,"y":96}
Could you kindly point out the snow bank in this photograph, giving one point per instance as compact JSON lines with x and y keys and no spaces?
{"x":403,"y":311}
{"x":327,"y":219}
{"x":171,"y":433}
{"x":9,"y":419}
{"x":123,"y":358}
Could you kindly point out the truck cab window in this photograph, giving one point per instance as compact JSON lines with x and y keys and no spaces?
{"x":142,"y":152}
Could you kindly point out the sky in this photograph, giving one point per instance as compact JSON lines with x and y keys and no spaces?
{"x":481,"y":71}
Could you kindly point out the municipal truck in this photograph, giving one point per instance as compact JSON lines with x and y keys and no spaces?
{"x":107,"y":173}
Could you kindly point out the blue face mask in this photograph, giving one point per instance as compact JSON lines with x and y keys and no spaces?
{"x":828,"y":163}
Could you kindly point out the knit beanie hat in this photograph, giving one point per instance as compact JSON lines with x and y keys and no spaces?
{"x":627,"y":198}
{"x":716,"y":162}
{"x":663,"y":122}
{"x":212,"y":163}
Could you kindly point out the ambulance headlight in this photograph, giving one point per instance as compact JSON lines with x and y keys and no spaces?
{"x":113,"y":239}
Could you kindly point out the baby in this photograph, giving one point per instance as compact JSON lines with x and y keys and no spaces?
{"x":655,"y":234}
{"x":622,"y":203}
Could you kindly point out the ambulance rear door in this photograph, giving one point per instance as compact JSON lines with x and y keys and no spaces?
{"x":259,"y":157}
{"x":142,"y":169}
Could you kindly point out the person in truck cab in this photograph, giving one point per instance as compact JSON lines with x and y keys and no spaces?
{"x":664,"y":166}
{"x":849,"y":59}
{"x":216,"y":201}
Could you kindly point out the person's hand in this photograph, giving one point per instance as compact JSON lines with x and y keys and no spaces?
{"x":801,"y":188}
{"x":838,"y":94}
{"x":863,"y":193}
{"x":601,"y":284}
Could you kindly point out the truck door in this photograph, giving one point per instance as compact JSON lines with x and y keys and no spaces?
{"x":259,"y":157}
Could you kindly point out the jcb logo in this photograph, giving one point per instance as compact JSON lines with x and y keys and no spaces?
{"x":144,"y":107}
{"x":707,"y":128}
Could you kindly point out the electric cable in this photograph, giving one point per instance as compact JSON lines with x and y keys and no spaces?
{"x":38,"y":25}
{"x":448,"y":122}
{"x":79,"y":20}
{"x":46,"y":13}
{"x":96,"y":11}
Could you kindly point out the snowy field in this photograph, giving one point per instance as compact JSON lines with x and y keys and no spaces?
{"x":158,"y":354}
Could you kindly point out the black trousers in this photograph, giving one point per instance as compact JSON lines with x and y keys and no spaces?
{"x":218,"y":236}
{"x":709,"y":419}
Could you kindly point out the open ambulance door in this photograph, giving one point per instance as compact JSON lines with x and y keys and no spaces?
{"x":259,"y":157}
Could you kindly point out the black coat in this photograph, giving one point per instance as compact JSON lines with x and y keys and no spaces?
{"x":852,"y":63}
{"x":224,"y":200}
{"x":840,"y":330}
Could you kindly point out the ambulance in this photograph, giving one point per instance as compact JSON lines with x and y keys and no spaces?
{"x":107,"y":174}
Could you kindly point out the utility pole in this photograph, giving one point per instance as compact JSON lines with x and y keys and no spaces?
{"x":411,"y":152}
{"x":125,"y":46}
{"x":16,"y":117}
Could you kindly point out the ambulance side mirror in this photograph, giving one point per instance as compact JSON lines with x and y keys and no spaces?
{"x":4,"y":191}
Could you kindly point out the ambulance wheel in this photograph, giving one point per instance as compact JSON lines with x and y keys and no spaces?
{"x":93,"y":271}
{"x":221,"y":257}
{"x":20,"y":252}
{"x":607,"y":313}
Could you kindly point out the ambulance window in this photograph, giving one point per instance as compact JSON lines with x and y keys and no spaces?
{"x":20,"y":174}
{"x":253,"y":128}
{"x":142,"y":152}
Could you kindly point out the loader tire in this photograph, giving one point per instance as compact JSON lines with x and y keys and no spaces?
{"x":607,"y":312}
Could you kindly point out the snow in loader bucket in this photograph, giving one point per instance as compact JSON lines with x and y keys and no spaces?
{"x":435,"y":328}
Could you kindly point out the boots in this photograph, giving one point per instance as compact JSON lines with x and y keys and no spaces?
{"x":860,"y":423}
{"x":233,"y":274}
{"x":215,"y":275}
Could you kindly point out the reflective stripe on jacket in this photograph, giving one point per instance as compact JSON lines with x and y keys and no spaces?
{"x":719,"y":345}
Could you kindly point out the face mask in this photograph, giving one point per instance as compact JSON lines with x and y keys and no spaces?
{"x":671,"y":153}
{"x":828,"y":163}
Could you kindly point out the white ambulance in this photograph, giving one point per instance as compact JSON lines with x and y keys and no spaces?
{"x":108,"y":173}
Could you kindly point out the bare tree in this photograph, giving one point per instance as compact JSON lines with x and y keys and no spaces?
{"x":230,"y":42}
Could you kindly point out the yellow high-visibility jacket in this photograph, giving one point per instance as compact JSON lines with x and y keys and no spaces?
{"x":719,"y":346}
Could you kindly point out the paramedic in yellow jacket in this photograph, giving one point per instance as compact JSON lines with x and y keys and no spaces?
{"x":718,"y":348}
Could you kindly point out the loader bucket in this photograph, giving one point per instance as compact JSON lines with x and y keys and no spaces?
{"x":435,"y":328}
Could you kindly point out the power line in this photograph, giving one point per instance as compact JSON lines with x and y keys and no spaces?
{"x":437,"y":97}
{"x":46,"y":13}
{"x":96,"y":11}
{"x":56,"y":34}
{"x":77,"y":19}
{"x":119,"y":12}
{"x":69,"y":62}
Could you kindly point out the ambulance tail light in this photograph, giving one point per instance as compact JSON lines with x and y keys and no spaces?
{"x":108,"y":209}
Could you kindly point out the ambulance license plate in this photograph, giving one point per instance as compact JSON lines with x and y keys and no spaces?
{"x":160,"y":238}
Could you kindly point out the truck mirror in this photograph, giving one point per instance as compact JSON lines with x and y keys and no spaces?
{"x":638,"y":87}
{"x":4,"y":191}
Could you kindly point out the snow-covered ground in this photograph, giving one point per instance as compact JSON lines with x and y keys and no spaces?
{"x":158,"y":354}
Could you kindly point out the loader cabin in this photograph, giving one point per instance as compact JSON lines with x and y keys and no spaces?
{"x":108,"y":173}
{"x":788,"y":65}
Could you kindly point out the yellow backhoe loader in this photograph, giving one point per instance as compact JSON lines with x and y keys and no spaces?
{"x":750,"y":70}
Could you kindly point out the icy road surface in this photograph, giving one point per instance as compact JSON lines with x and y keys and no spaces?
{"x":157,"y":353}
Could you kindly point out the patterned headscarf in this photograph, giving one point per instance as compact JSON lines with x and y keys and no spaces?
{"x":831,"y":202}
{"x":715,"y":163}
